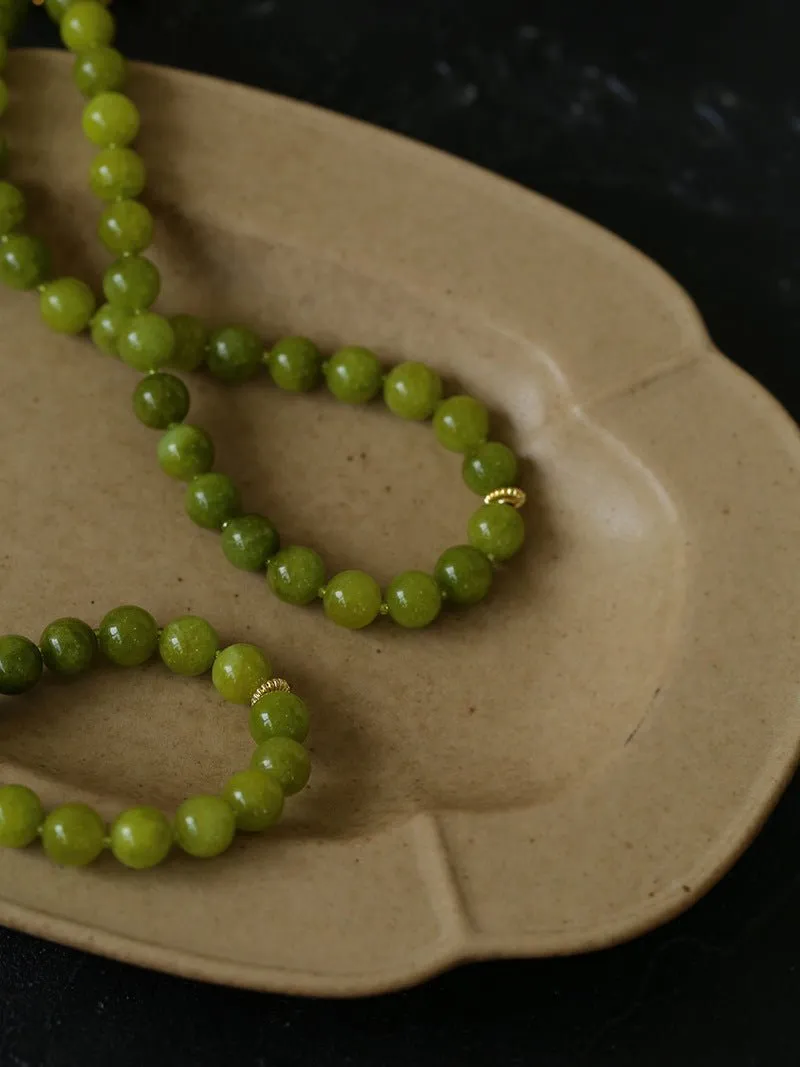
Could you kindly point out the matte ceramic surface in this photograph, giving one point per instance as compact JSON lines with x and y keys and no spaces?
{"x":560,"y":768}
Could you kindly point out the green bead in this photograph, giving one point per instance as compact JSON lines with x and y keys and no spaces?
{"x":73,"y":835}
{"x":99,"y":70}
{"x":126,"y":228}
{"x":189,"y":645}
{"x":352,"y":599}
{"x":234,"y":354}
{"x":279,"y":715}
{"x":20,"y":665}
{"x":211,"y":499}
{"x":191,"y":337}
{"x":87,"y":24}
{"x":185,"y":451}
{"x":249,"y":541}
{"x":286,"y":761}
{"x":117,"y":174}
{"x":255,"y":798}
{"x":238,"y":671}
{"x":141,"y":838}
{"x":67,"y":305}
{"x":68,"y":646}
{"x":414,"y":600}
{"x":490,"y":466}
{"x":12,"y":15}
{"x":497,"y":530}
{"x":24,"y":261}
{"x":295,"y":364}
{"x":461,"y":423}
{"x":111,"y":119}
{"x":107,"y":326}
{"x":12,"y":207}
{"x":412,"y":391}
{"x":296,"y":575}
{"x":354,"y":375}
{"x":205,"y":826}
{"x":147,"y":342}
{"x":464,"y":574}
{"x":132,"y":283}
{"x":159,"y":400}
{"x":56,"y":9}
{"x":21,"y":815}
{"x":128,"y":636}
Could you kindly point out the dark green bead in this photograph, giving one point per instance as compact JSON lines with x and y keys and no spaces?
{"x":352,"y":599}
{"x":73,"y":835}
{"x":24,"y":261}
{"x":497,"y":530}
{"x":255,"y":798}
{"x":128,"y":636}
{"x":132,"y":283}
{"x":238,"y":671}
{"x":490,"y":466}
{"x":107,"y":326}
{"x":68,"y":646}
{"x":205,"y":826}
{"x":87,"y":24}
{"x":185,"y":451}
{"x":191,"y":338}
{"x":147,"y":342}
{"x":67,"y":305}
{"x":296,"y":575}
{"x":461,"y":423}
{"x":414,"y":600}
{"x":412,"y":391}
{"x":295,"y":364}
{"x":159,"y":400}
{"x":249,"y":541}
{"x":117,"y":174}
{"x":20,"y":665}
{"x":189,"y":646}
{"x":286,"y":761}
{"x":111,"y":119}
{"x":12,"y":15}
{"x":141,"y":838}
{"x":100,"y":70}
{"x":464,"y":575}
{"x":211,"y":499}
{"x":12,"y":207}
{"x":234,"y":354}
{"x":354,"y":375}
{"x":21,"y":815}
{"x":279,"y":715}
{"x":126,"y":227}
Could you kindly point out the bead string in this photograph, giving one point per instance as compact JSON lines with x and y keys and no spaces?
{"x":204,"y":826}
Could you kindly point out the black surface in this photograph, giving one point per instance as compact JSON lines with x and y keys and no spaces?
{"x":678,"y":126}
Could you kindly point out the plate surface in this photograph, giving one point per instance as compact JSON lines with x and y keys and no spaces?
{"x":564,"y":767}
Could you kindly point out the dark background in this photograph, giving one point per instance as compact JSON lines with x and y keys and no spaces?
{"x":678,"y":126}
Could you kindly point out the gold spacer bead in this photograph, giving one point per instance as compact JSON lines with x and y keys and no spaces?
{"x":511,"y":495}
{"x":274,"y":685}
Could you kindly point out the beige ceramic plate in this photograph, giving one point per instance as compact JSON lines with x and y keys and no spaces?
{"x":562,"y":768}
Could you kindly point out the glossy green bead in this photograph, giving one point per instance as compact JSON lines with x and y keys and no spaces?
{"x":12,"y":207}
{"x":461,"y":423}
{"x":234,"y":354}
{"x":211,"y":499}
{"x":490,"y":466}
{"x":414,"y":600}
{"x":68,"y":646}
{"x":279,"y":715}
{"x":352,"y":599}
{"x":99,"y":70}
{"x":87,"y":24}
{"x":189,"y":646}
{"x":255,"y":798}
{"x":56,"y":9}
{"x":249,"y":541}
{"x":354,"y":375}
{"x":238,"y":671}
{"x":295,"y":364}
{"x":464,"y":575}
{"x":67,"y":305}
{"x":117,"y":174}
{"x":128,"y":636}
{"x":132,"y":283}
{"x":111,"y":119}
{"x":73,"y":835}
{"x":191,"y":338}
{"x":205,"y":826}
{"x":106,"y":327}
{"x":159,"y":400}
{"x":21,"y":815}
{"x":24,"y":261}
{"x":20,"y":665}
{"x":497,"y":530}
{"x":185,"y":451}
{"x":286,"y":761}
{"x":412,"y":391}
{"x":126,"y":228}
{"x":296,"y":575}
{"x":141,"y":838}
{"x":146,"y":342}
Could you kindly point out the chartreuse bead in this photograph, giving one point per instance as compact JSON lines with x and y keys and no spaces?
{"x":249,"y":541}
{"x":238,"y":671}
{"x":296,"y":575}
{"x":464,"y":574}
{"x":21,"y":815}
{"x":146,"y":342}
{"x":128,"y":636}
{"x":20,"y":665}
{"x":191,"y":337}
{"x":68,"y":646}
{"x":461,"y":423}
{"x":111,"y":119}
{"x":56,"y":9}
{"x":67,"y":305}
{"x":117,"y":174}
{"x":352,"y":599}
{"x":73,"y":835}
{"x":189,"y":645}
{"x":255,"y":798}
{"x":99,"y":70}
{"x":24,"y":261}
{"x":141,"y":838}
{"x":205,"y":826}
{"x":132,"y":283}
{"x":12,"y":207}
{"x":159,"y":400}
{"x":126,"y":227}
{"x":286,"y":761}
{"x":185,"y":451}
{"x":354,"y":375}
{"x":279,"y":714}
{"x":497,"y":530}
{"x":211,"y":499}
{"x":106,"y":327}
{"x":86,"y":24}
{"x":412,"y":391}
{"x":414,"y":599}
{"x":295,"y":364}
{"x":489,"y":466}
{"x":234,"y":354}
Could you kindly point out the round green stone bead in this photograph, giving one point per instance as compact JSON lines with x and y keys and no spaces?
{"x":412,"y":391}
{"x":67,"y":305}
{"x":286,"y":761}
{"x":128,"y":636}
{"x":490,"y":466}
{"x":24,"y":261}
{"x":21,"y":815}
{"x":141,"y":838}
{"x":189,"y":646}
{"x":255,"y":798}
{"x":12,"y":207}
{"x":20,"y":665}
{"x":279,"y":715}
{"x":205,"y":826}
{"x":414,"y":600}
{"x":234,"y":354}
{"x":191,"y":338}
{"x":99,"y":70}
{"x":73,"y":835}
{"x":238,"y":671}
{"x":159,"y":400}
{"x":87,"y":24}
{"x":147,"y":342}
{"x":464,"y":575}
{"x":352,"y":599}
{"x":117,"y":174}
{"x":497,"y":530}
{"x":211,"y":499}
{"x":68,"y":646}
{"x":295,"y":364}
{"x":106,"y":327}
{"x":354,"y":375}
{"x":296,"y":575}
{"x":111,"y":119}
{"x":132,"y":283}
{"x":185,"y":451}
{"x":461,"y":423}
{"x":249,"y":541}
{"x":126,"y":228}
